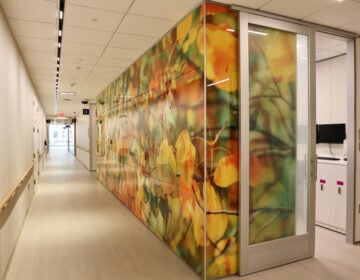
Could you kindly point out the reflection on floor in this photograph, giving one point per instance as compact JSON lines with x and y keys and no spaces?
{"x":77,"y":230}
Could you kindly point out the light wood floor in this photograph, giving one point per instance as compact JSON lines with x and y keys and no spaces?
{"x":77,"y":230}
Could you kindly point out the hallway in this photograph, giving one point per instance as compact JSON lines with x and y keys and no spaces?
{"x":78,"y":230}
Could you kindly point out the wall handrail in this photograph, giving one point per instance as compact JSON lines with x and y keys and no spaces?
{"x":9,"y":202}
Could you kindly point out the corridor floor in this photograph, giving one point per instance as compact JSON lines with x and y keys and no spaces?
{"x":77,"y":230}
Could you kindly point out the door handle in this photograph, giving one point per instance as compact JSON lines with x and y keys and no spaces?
{"x":339,"y":190}
{"x":322,"y":187}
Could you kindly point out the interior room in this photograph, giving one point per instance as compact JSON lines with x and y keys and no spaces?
{"x":331,"y":126}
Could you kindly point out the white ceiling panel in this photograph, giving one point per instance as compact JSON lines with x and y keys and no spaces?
{"x":104,"y":75}
{"x":146,"y":26}
{"x":135,"y":42}
{"x":91,"y":18}
{"x":254,"y":4}
{"x":34,"y":10}
{"x":338,"y":14}
{"x":122,"y":53}
{"x":297,"y":9}
{"x":39,"y":55}
{"x":75,"y":67}
{"x":79,"y":59}
{"x":117,"y":62}
{"x":40,"y":70}
{"x":33,"y":29}
{"x":110,"y":5}
{"x":353,"y":26}
{"x":42,"y":63}
{"x":36,"y":44}
{"x":108,"y":69}
{"x":81,"y":49}
{"x":86,"y":36}
{"x":170,"y":9}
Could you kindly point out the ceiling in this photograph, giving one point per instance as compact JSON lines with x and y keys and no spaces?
{"x":101,"y":38}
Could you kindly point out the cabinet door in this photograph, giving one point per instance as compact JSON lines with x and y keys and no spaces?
{"x":340,"y":211}
{"x":325,"y":196}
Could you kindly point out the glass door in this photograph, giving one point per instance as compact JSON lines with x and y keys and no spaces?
{"x":278,"y":161}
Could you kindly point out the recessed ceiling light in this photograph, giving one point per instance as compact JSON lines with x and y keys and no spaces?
{"x":61,"y":14}
{"x":58,"y":59}
{"x":59,"y":45}
{"x":60,"y":33}
{"x":68,"y":93}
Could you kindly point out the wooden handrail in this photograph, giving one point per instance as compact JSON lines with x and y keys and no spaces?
{"x":9,"y":202}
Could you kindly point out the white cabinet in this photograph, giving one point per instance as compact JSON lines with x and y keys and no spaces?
{"x":331,"y":195}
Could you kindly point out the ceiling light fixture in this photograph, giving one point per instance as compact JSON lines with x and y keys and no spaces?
{"x":61,"y":21}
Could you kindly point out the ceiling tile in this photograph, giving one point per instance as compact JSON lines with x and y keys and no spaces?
{"x":41,"y":63}
{"x":36,"y":44}
{"x":110,"y":5}
{"x":146,"y":26}
{"x":117,"y":62}
{"x":135,"y":42}
{"x":297,"y":9}
{"x":104,"y":75}
{"x":170,"y":9}
{"x":108,"y":69}
{"x":75,"y":67}
{"x":41,"y":71}
{"x":82,"y":49}
{"x":79,"y":59}
{"x":337,"y":15}
{"x":33,"y":29}
{"x":91,"y":18}
{"x":352,"y":27}
{"x":34,"y":10}
{"x":122,"y":53}
{"x":39,"y":55}
{"x":86,"y":36}
{"x":254,"y":4}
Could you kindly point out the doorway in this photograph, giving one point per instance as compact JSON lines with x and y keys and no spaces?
{"x":335,"y":131}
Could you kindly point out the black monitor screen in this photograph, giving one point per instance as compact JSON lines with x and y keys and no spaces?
{"x":330,"y":133}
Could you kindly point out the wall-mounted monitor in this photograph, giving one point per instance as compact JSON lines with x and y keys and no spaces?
{"x":86,"y":111}
{"x":331,"y":133}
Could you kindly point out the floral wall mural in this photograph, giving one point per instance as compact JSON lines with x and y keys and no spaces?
{"x":167,"y":133}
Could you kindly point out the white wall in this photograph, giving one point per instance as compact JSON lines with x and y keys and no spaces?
{"x":331,"y":98}
{"x":16,"y":141}
{"x":83,"y":139}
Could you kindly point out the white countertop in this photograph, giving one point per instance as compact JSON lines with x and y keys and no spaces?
{"x":342,"y":160}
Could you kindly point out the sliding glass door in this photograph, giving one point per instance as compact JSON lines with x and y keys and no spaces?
{"x":278,"y":161}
